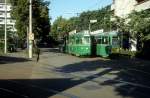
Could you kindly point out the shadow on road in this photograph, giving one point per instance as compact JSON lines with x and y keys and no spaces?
{"x":133,"y":75}
{"x":132,"y":79}
{"x":40,"y":88}
{"x":7,"y":59}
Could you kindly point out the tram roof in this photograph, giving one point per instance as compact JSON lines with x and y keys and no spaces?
{"x":99,"y":33}
{"x":82,"y":33}
{"x":111,"y":33}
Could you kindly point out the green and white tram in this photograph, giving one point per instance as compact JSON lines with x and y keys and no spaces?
{"x":85,"y":43}
{"x":103,"y":47}
{"x":79,"y":44}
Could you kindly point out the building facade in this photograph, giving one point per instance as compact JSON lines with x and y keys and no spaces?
{"x":122,"y":8}
{"x":10,"y":21}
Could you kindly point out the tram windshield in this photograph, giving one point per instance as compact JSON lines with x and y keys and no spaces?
{"x":78,"y":41}
{"x":103,"y":40}
{"x":115,"y":41}
{"x":86,"y":40}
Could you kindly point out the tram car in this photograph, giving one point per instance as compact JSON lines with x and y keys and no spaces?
{"x":103,"y":46}
{"x":87,"y":44}
{"x":106,"y":42}
{"x":115,"y":39}
{"x":79,"y":44}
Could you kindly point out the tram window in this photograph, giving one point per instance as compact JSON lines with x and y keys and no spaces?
{"x":73,"y":41}
{"x":105,"y":40}
{"x":86,"y":40}
{"x":78,"y":41}
{"x":115,"y":41}
{"x":69,"y":41}
{"x":99,"y":40}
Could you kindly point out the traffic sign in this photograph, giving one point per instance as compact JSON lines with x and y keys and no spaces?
{"x":31,"y":36}
{"x":93,"y":21}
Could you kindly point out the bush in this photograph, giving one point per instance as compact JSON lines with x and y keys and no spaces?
{"x":1,"y":46}
{"x":144,"y":53}
{"x":121,"y":53}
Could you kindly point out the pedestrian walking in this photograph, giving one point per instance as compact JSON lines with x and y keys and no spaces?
{"x":38,"y":54}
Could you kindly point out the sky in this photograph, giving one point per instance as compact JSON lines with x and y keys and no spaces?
{"x":70,"y":8}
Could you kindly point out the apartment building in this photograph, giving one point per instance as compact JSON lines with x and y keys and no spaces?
{"x":122,"y":8}
{"x":10,"y":21}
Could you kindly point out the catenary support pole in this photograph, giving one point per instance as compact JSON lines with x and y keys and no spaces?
{"x":30,"y":30}
{"x":5,"y":48}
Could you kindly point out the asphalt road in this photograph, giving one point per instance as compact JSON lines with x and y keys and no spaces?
{"x":59,"y":75}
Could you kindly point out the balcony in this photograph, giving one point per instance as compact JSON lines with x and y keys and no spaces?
{"x":2,"y":7}
{"x":143,"y":5}
{"x":9,"y":22}
{"x":2,"y":15}
{"x":140,"y":1}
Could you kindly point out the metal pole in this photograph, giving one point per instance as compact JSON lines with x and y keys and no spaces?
{"x":5,"y":48}
{"x":89,"y":28}
{"x":30,"y":29}
{"x":28,"y":38}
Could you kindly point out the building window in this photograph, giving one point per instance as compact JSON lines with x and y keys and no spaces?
{"x":1,"y":6}
{"x":1,"y":13}
{"x":11,"y":21}
{"x":140,"y":1}
{"x":1,"y":20}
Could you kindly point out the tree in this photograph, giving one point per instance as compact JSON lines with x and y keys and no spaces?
{"x":139,"y":27}
{"x":60,"y":27}
{"x":63,"y":26}
{"x":73,"y":23}
{"x":102,"y":16}
{"x":41,"y":21}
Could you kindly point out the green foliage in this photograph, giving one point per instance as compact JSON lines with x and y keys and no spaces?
{"x":82,"y":22}
{"x":120,"y":24}
{"x":41,"y":23}
{"x":121,"y":53}
{"x":2,"y":32}
{"x":102,"y":16}
{"x":139,"y":24}
{"x":60,"y":27}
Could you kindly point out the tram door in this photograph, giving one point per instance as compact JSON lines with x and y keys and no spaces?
{"x":93,"y":46}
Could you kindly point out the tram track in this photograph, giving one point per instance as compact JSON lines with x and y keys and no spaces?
{"x":47,"y":90}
